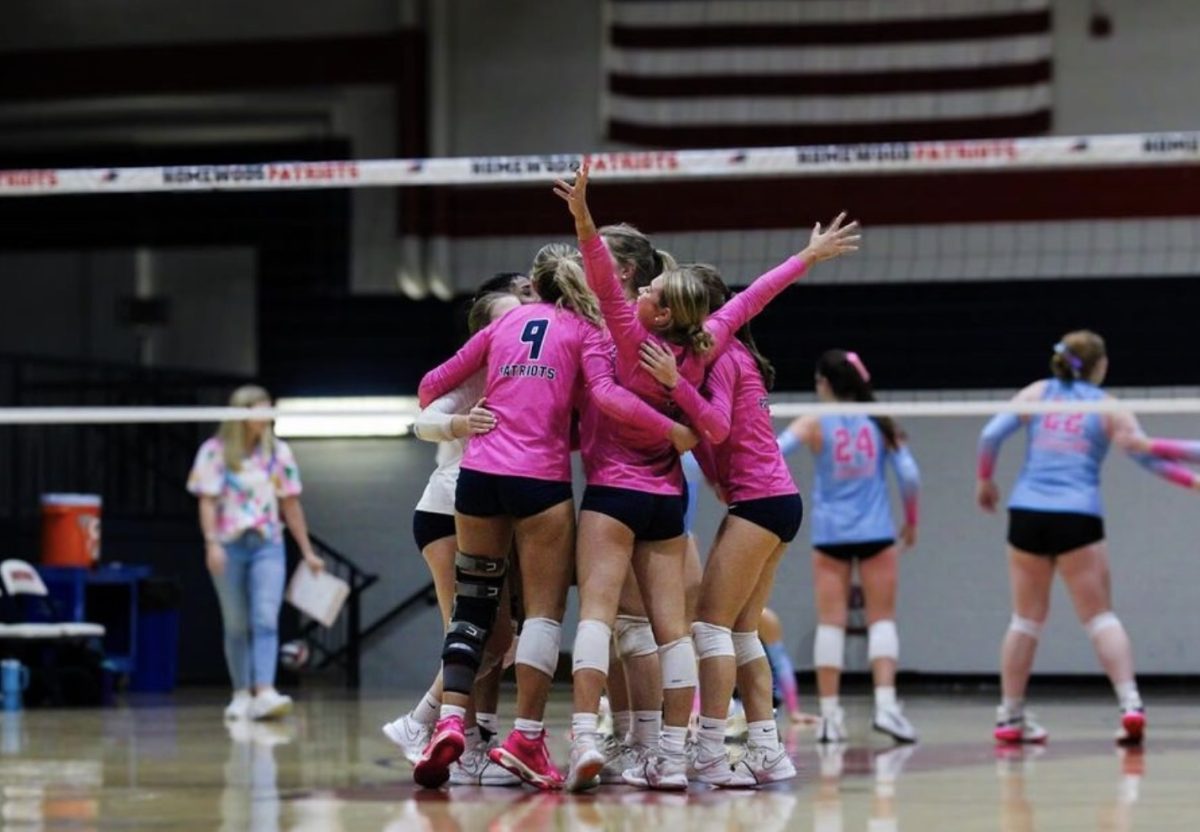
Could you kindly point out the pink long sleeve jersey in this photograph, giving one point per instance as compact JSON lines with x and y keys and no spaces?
{"x":748,"y":465}
{"x":540,"y":361}
{"x":628,"y":332}
{"x":621,"y":454}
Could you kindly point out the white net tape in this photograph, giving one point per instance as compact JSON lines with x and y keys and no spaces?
{"x":818,"y":160}
{"x":784,"y":410}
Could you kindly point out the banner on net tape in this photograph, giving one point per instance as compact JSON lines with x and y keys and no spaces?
{"x":893,"y":157}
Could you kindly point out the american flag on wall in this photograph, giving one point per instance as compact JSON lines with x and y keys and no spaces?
{"x":743,"y":73}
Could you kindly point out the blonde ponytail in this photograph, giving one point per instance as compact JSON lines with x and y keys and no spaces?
{"x":557,"y":275}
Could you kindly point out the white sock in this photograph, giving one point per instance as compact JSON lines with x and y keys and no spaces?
{"x":1013,"y":707}
{"x":488,"y":722}
{"x":454,"y":710}
{"x":829,"y":706}
{"x":711,"y":736}
{"x":427,"y":710}
{"x":646,"y":728}
{"x":583,"y":726}
{"x":885,"y":697}
{"x":672,"y":739}
{"x":622,"y":722}
{"x":1127,"y":694}
{"x":763,"y":734}
{"x":531,"y":728}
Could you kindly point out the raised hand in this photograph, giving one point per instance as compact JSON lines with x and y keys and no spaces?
{"x":833,"y":241}
{"x":575,"y":194}
{"x":659,"y":362}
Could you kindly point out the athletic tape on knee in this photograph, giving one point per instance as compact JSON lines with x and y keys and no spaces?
{"x":540,"y":639}
{"x":1102,"y":622}
{"x":829,"y":646}
{"x":678,"y":660}
{"x":712,"y":640}
{"x":635,"y":637}
{"x":748,"y":647}
{"x":1026,"y":626}
{"x":883,"y":642}
{"x":592,"y":639}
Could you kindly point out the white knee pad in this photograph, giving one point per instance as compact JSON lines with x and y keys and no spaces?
{"x":712,"y":640}
{"x":635,"y":637}
{"x":1102,"y":622}
{"x":829,"y":646}
{"x":678,"y":664}
{"x":748,"y":648}
{"x":883,"y":642}
{"x":1026,"y":626}
{"x":538,"y":648}
{"x":592,"y":639}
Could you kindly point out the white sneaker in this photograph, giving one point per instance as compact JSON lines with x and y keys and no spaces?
{"x":409,"y":735}
{"x":239,"y":706}
{"x":832,"y":729}
{"x":661,"y":773}
{"x":270,"y":704}
{"x":618,"y":758}
{"x":474,"y":768}
{"x":1016,"y":729}
{"x":713,"y":771}
{"x":587,"y":761}
{"x":891,"y":721}
{"x":761,"y":765}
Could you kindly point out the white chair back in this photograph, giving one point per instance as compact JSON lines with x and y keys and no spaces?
{"x":19,"y":578}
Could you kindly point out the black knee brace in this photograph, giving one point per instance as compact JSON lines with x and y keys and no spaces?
{"x":478,"y":585}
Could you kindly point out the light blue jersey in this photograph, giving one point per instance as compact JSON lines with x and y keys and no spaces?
{"x":1064,"y":455}
{"x":850,"y":494}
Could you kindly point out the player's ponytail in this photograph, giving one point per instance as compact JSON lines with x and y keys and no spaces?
{"x":850,"y":381}
{"x":718,"y":295}
{"x":558,"y":277}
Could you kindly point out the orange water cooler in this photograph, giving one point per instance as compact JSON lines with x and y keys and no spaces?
{"x":71,"y":530}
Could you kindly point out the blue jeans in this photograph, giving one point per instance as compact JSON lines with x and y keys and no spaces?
{"x":251,"y":593}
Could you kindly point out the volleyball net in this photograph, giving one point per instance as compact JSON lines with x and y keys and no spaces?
{"x":966,"y":244}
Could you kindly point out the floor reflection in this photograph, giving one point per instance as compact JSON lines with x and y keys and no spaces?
{"x":324,"y":771}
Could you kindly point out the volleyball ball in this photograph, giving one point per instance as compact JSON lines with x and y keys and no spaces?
{"x":294,"y":654}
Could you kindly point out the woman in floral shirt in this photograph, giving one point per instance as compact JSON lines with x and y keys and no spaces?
{"x":246,"y":479}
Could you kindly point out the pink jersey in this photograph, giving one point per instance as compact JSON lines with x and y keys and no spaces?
{"x":623,"y":455}
{"x":540,"y":361}
{"x":629,"y":333}
{"x":748,"y":465}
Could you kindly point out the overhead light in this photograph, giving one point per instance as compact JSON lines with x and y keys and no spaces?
{"x":345,"y":417}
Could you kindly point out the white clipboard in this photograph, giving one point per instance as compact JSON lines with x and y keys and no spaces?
{"x":318,"y":595}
